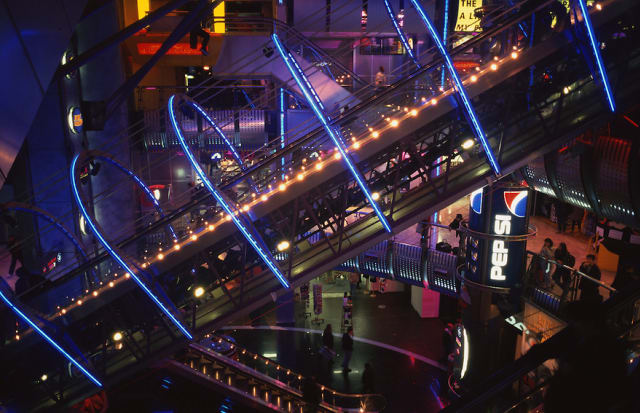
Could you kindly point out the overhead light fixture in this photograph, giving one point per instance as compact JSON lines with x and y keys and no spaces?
{"x":117,"y":336}
{"x":198,"y":292}
{"x":283,"y":245}
{"x":468,"y":144}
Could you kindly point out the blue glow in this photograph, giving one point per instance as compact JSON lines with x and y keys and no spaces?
{"x":445,"y":30}
{"x":248,"y":99}
{"x":254,"y":241}
{"x":401,"y":34}
{"x":116,"y":256}
{"x":61,"y":227}
{"x":51,"y":341}
{"x":596,"y":52}
{"x":459,"y":87}
{"x":332,"y":134}
{"x":144,"y":188}
{"x":226,"y":140}
{"x":282,"y":131}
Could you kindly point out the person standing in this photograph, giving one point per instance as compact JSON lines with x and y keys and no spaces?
{"x":354,"y":278}
{"x":562,"y":275}
{"x":562,"y":215}
{"x":327,"y":343}
{"x":547,"y":254}
{"x":455,"y":224}
{"x":381,"y":78}
{"x":368,"y":380}
{"x":347,"y":347}
{"x":589,"y":289}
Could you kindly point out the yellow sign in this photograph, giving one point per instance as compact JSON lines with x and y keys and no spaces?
{"x":466,"y":20}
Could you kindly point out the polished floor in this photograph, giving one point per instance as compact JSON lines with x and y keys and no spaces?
{"x":403,"y":349}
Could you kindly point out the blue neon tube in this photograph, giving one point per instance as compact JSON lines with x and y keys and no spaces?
{"x":460,"y":88}
{"x":116,"y":256}
{"x":226,"y":140}
{"x":595,"y":48}
{"x":142,"y":186}
{"x":298,"y":76}
{"x":282,"y":127}
{"x":51,"y":341}
{"x":445,"y":30}
{"x":401,"y":35}
{"x":255,"y":243}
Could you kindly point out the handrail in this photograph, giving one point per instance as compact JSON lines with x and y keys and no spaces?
{"x":283,"y":386}
{"x":437,"y":62}
{"x":573,"y":270}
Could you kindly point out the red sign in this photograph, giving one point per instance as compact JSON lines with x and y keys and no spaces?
{"x":465,"y":64}
{"x":176,"y":49}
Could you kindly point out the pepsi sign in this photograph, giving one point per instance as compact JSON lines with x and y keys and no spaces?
{"x":503,"y":211}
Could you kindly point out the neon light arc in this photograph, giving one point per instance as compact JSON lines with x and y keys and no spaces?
{"x":253,"y":239}
{"x":115,"y":253}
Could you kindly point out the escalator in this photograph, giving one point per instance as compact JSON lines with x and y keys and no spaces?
{"x":522,"y":122}
{"x":254,"y":380}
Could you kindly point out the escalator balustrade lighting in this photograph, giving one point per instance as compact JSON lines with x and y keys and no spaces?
{"x":401,"y":34}
{"x":115,"y":255}
{"x":254,"y":240}
{"x":479,"y":132}
{"x":319,"y":165}
{"x":51,"y":341}
{"x":308,"y":91}
{"x":595,"y":48}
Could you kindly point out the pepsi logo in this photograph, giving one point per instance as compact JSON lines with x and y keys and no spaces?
{"x":476,"y":201}
{"x":516,"y":202}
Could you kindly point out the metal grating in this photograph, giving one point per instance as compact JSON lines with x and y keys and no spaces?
{"x":406,"y":263}
{"x":536,"y":176}
{"x":441,"y":271}
{"x":612,"y":181}
{"x":568,"y":176}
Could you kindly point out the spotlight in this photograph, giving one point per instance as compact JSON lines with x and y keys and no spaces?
{"x":375,"y":196}
{"x":117,"y":336}
{"x":468,"y":144}
{"x":44,"y":377}
{"x":283,"y":245}
{"x":198,"y":292}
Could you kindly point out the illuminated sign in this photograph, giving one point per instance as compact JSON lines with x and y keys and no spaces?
{"x":499,"y":251}
{"x":466,"y":21}
{"x":498,"y":211}
{"x":145,"y":48}
{"x":517,"y":324}
{"x":74,"y":119}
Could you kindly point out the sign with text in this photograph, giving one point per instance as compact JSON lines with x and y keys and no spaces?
{"x":501,"y":210}
{"x":466,"y":21}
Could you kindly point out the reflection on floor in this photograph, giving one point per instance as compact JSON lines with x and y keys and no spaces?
{"x":387,"y":318}
{"x":402,"y":380}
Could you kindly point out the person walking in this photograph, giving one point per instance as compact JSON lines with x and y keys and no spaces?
{"x":590,"y":290}
{"x":198,"y":31}
{"x":368,"y":380}
{"x":381,"y":78}
{"x":347,"y":347}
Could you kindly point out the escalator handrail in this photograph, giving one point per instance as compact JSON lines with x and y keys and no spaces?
{"x":270,"y":380}
{"x":329,"y":389}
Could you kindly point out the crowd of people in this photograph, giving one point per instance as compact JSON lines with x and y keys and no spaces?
{"x":556,"y":266}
